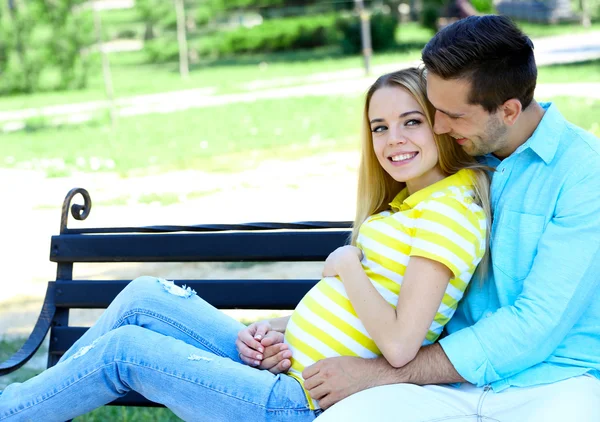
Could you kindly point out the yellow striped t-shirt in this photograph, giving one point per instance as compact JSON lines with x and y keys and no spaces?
{"x":440,"y":222}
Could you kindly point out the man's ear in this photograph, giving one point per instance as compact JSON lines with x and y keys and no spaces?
{"x":510,"y":111}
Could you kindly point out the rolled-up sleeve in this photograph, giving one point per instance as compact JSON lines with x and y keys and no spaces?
{"x":557,"y":290}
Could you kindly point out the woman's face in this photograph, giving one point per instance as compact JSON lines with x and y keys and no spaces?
{"x":402,"y":139}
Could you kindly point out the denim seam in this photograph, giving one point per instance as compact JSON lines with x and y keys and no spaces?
{"x":199,"y":383}
{"x":121,"y":321}
{"x":59,"y":391}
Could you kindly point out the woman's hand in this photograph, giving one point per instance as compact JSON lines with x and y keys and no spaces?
{"x":248,"y":342}
{"x":262,"y":347}
{"x":340,"y":258}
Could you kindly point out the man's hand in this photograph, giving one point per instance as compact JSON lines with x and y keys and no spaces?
{"x":333,"y":379}
{"x":277,"y":354}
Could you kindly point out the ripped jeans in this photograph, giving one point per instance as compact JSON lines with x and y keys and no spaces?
{"x":172,"y":347}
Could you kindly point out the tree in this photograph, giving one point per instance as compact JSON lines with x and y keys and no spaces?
{"x":37,"y":36}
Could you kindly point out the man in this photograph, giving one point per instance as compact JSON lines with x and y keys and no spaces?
{"x":525,"y":342}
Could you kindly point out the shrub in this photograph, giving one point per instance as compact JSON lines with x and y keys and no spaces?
{"x":383,"y":29}
{"x":161,"y":50}
{"x":280,"y":35}
{"x":283,"y":34}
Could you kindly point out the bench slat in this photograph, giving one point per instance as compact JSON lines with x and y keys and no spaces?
{"x":223,"y":294}
{"x":61,"y":338}
{"x":193,"y":247}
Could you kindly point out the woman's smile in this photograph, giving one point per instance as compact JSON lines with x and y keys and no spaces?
{"x":403,"y":158}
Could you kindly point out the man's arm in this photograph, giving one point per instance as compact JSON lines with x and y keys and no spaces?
{"x":331,"y":380}
{"x":557,"y":291}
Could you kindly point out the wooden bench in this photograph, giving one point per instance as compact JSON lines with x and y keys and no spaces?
{"x":253,"y":242}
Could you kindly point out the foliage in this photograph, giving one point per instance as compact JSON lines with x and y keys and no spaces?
{"x":21,"y":57}
{"x":256,"y":4}
{"x":432,"y":10}
{"x":483,"y":6}
{"x":275,"y":35}
{"x":383,"y":28}
{"x":152,"y":12}
{"x":280,"y":35}
{"x":39,"y":38}
{"x":283,"y":34}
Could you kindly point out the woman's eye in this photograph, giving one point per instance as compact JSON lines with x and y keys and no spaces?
{"x":378,"y":129}
{"x":412,"y":122}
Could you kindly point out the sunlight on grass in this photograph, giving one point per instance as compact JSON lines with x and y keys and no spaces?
{"x":227,"y":138}
{"x":588,"y":71}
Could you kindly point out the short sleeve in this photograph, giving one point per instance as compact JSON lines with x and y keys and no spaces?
{"x":450,"y":230}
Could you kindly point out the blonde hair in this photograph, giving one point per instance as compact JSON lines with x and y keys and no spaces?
{"x":376,"y":188}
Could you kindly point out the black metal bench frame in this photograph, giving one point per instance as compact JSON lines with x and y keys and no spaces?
{"x":253,"y":242}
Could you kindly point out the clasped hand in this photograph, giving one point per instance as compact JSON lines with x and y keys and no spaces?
{"x":262,"y":347}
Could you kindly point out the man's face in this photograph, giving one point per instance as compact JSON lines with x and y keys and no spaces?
{"x":476,"y":131}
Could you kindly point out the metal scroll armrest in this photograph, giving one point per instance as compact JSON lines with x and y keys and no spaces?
{"x":36,"y":338}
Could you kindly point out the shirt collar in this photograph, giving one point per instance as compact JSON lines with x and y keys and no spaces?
{"x":403,"y":201}
{"x":546,"y":137}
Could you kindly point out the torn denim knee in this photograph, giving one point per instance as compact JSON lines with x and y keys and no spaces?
{"x":85,"y":349}
{"x":174,"y":289}
{"x":198,"y":357}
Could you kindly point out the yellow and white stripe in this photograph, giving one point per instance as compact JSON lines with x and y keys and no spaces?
{"x":440,"y":222}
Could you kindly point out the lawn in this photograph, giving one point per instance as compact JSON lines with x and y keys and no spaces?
{"x":128,"y":414}
{"x":588,"y":71}
{"x":536,"y":30}
{"x":226,"y":138}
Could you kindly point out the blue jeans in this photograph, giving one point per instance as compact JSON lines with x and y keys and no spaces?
{"x":170,"y":346}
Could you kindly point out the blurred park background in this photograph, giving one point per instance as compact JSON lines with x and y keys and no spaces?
{"x":199,"y":111}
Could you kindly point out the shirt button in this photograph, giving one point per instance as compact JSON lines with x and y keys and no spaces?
{"x":503,"y":170}
{"x":488,"y":314}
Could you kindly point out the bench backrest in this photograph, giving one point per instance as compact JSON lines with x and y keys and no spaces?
{"x":308,"y":243}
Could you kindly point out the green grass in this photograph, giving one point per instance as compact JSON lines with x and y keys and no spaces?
{"x":581,"y":111}
{"x":568,"y":73}
{"x":225,"y":138}
{"x":162,"y":199}
{"x":7,"y":348}
{"x":128,"y":414}
{"x":537,"y":30}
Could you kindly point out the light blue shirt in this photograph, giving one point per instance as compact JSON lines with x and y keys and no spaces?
{"x":535,"y":318}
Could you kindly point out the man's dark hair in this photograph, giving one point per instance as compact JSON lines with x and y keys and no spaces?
{"x":489,"y":51}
